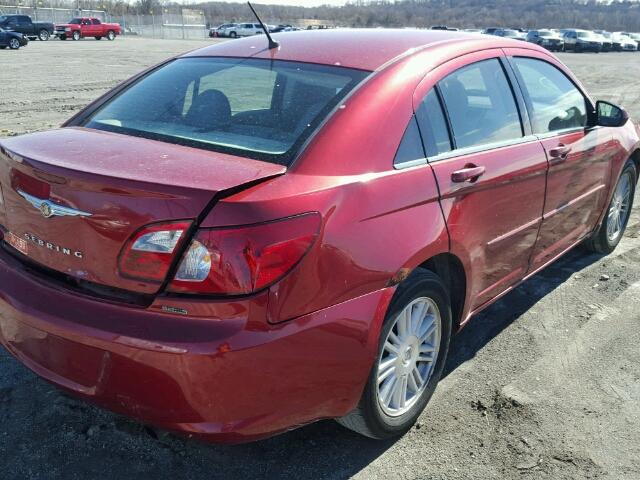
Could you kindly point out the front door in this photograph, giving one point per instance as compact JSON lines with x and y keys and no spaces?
{"x":490,"y":170}
{"x":579,"y":157}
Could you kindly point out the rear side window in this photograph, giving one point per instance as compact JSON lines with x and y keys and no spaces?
{"x":95,"y":21}
{"x":553,"y":100}
{"x":250,"y":107}
{"x":480,"y":104}
{"x":410,"y":148}
{"x":433,"y":125}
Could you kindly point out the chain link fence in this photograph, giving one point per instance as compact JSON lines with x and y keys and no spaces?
{"x":50,"y":14}
{"x":188,"y":24}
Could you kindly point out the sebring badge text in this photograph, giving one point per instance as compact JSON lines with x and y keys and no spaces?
{"x":52,"y":246}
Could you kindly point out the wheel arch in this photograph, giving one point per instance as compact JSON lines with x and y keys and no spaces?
{"x":635,"y":156}
{"x":451,"y":270}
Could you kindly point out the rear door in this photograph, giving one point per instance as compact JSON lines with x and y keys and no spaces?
{"x":579,"y":156}
{"x":96,"y":28}
{"x":489,"y":168}
{"x":25,"y":26}
{"x":86,"y":28}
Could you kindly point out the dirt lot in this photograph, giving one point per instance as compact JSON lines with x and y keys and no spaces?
{"x":544,"y":384}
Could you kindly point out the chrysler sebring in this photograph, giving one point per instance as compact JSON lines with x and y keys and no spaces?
{"x":251,"y":237}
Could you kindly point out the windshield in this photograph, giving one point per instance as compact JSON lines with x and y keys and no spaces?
{"x":250,"y":107}
{"x":542,"y":33}
{"x":75,"y":21}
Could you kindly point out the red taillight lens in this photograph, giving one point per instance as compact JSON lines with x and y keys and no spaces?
{"x":149,"y":253}
{"x":241,"y":260}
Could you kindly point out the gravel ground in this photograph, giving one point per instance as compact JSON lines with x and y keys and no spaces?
{"x":543,"y":384}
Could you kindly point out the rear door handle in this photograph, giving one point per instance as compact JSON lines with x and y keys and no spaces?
{"x":469,"y":173}
{"x":560,"y":152}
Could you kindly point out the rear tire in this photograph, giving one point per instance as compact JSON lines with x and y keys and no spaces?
{"x":111,"y":35}
{"x":606,"y":238}
{"x":233,"y":34}
{"x":98,"y":38}
{"x":380,"y":413}
{"x":43,"y":35}
{"x":62,"y":37}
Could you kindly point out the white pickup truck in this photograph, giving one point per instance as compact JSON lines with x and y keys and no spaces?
{"x":244,"y":30}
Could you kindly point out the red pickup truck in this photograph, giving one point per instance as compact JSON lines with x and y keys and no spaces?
{"x":78,"y":28}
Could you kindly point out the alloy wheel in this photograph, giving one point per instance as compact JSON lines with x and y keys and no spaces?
{"x":619,"y":208}
{"x":14,"y":44}
{"x":408,"y":357}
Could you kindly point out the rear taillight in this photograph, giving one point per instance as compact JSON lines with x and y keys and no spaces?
{"x":149,"y":253}
{"x":241,"y":260}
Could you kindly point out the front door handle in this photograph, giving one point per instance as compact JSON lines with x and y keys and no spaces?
{"x":560,"y":152}
{"x":470,"y":173}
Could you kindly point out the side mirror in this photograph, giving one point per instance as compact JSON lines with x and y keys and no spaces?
{"x":610,"y":115}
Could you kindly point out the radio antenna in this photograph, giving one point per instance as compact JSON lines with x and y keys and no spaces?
{"x":272,"y":43}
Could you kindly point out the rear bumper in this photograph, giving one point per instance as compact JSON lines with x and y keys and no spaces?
{"x":231,"y":377}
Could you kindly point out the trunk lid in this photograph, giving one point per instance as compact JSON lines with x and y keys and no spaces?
{"x":105,"y":187}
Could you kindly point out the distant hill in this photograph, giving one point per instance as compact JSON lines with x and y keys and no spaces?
{"x":592,"y":14}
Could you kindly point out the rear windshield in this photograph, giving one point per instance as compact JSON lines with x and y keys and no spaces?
{"x":250,"y":107}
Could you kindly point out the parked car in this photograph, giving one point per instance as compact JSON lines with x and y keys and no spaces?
{"x":232,"y":269}
{"x":222,"y":30}
{"x":444,"y":27}
{"x":13,"y":40}
{"x":582,"y":41}
{"x":509,"y":33}
{"x":605,"y":39}
{"x":282,"y":28}
{"x":78,"y":28}
{"x":547,"y":39}
{"x":635,"y":37}
{"x":624,"y":43}
{"x":27,"y":27}
{"x":245,"y":30}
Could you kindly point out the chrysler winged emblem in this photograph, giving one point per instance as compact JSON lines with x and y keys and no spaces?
{"x":50,"y":209}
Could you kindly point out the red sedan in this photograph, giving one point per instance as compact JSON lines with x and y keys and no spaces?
{"x":246,"y":239}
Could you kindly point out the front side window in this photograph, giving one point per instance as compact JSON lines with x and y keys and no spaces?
{"x":250,"y":107}
{"x":554,"y":101}
{"x":95,"y":21}
{"x":480,"y":105}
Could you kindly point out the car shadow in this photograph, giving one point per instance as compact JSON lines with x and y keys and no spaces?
{"x":494,"y":319}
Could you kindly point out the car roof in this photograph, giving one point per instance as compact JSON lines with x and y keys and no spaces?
{"x":365,"y":49}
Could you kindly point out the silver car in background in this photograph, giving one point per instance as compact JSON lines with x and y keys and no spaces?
{"x":546,"y":38}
